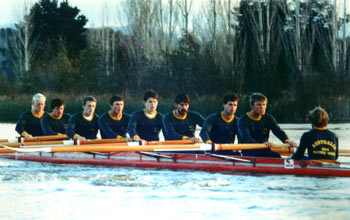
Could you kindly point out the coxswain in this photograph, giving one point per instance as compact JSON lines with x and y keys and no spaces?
{"x":320,"y":142}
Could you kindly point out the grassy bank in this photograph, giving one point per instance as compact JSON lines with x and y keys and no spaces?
{"x":286,"y":111}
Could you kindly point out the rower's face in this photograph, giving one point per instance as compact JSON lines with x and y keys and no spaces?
{"x":39,"y":105}
{"x":182,"y":108}
{"x":58,"y":111}
{"x":259,"y":107}
{"x":89,"y":108}
{"x":117,"y":107}
{"x":151,"y":105}
{"x":230,"y":107}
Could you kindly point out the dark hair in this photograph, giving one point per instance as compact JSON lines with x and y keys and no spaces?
{"x":230,"y":97}
{"x":318,"y":117}
{"x":150,"y":94}
{"x":89,"y":98}
{"x":115,"y":98}
{"x":256,"y":97}
{"x":182,"y":98}
{"x":57,"y":103}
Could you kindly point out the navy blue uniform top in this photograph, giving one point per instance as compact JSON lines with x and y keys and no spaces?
{"x":320,"y":144}
{"x":28,"y":123}
{"x":177,"y":127}
{"x":111,"y":127}
{"x":219,"y":130}
{"x":52,"y":125}
{"x":79,"y":125}
{"x":146,"y":128}
{"x":258,"y":131}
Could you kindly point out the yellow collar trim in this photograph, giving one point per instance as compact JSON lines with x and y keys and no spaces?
{"x":116,"y":118}
{"x":37,"y":115}
{"x":149,"y":116}
{"x":320,"y":128}
{"x":179,"y":117}
{"x":54,"y":117}
{"x":88,"y":118}
{"x":253,"y":118}
{"x":225,"y":119}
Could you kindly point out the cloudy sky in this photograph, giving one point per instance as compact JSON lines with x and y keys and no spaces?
{"x":92,"y":9}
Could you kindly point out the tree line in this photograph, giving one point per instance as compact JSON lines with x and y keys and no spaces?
{"x":295,"y":52}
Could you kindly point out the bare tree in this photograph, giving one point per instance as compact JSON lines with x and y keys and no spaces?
{"x":23,"y":43}
{"x":334,"y":36}
{"x":185,"y":7}
{"x":344,"y":60}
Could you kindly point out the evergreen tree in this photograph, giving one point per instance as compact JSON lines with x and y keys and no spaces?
{"x":54,"y":23}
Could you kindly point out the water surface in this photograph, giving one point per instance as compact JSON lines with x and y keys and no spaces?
{"x":72,"y":192}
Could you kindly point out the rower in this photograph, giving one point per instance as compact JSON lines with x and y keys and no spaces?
{"x":84,"y":125}
{"x":255,"y":127}
{"x":146,"y":124}
{"x":56,"y":122}
{"x":320,"y":142}
{"x":180,"y":124}
{"x":28,"y":124}
{"x":221,"y":127}
{"x":113,"y":124}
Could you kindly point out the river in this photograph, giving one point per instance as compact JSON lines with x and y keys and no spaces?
{"x":72,"y":192}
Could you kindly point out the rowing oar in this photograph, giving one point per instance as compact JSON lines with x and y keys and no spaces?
{"x":35,"y":139}
{"x":134,"y":146}
{"x":122,"y":141}
{"x":93,"y":145}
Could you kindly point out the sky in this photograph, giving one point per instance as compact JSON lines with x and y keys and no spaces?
{"x":92,"y":9}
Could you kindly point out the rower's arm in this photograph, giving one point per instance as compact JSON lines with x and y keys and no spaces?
{"x":205,"y":131}
{"x":199,"y":119}
{"x":71,"y":127}
{"x":299,"y":154}
{"x":277,"y":130}
{"x":244,"y":135}
{"x":170,"y":133}
{"x":106,"y":128}
{"x":132,"y":126}
{"x":46,"y":126}
{"x":20,"y":125}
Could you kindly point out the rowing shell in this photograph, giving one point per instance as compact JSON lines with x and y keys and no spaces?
{"x":178,"y":161}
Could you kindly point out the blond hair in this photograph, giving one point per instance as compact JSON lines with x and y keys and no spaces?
{"x":38,"y":97}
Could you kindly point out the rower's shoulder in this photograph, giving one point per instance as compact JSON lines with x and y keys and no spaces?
{"x":194,"y":113}
{"x":214,"y":115}
{"x":77,"y":115}
{"x":26,"y":113}
{"x":136,"y":113}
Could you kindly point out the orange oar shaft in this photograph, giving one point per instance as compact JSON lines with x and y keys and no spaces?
{"x":102,"y":141}
{"x":46,"y":138}
{"x":33,"y":143}
{"x":133,"y":146}
{"x":169,"y":142}
{"x":35,"y":139}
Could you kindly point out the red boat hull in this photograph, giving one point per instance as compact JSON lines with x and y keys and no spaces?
{"x":190,"y":162}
